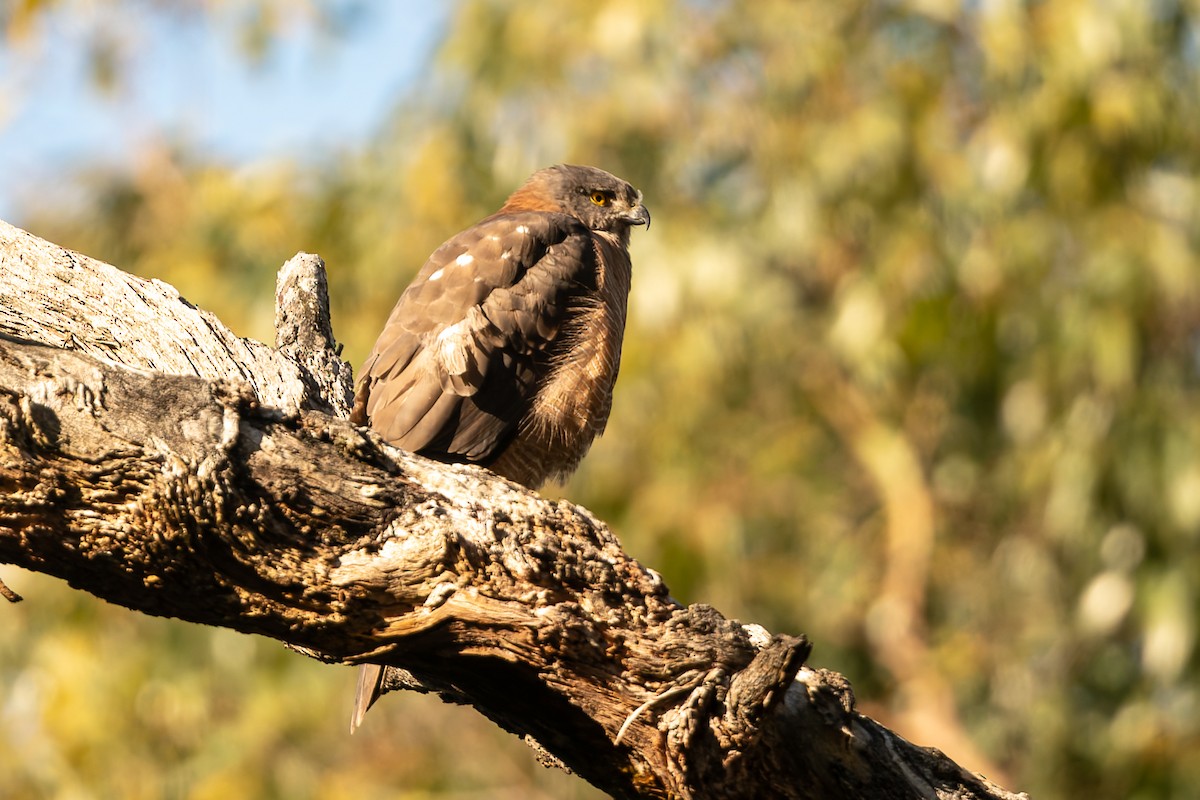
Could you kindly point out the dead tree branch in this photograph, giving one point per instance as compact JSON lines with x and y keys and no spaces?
{"x":151,"y":458}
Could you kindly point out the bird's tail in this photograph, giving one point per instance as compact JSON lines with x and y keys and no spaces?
{"x":370,"y":681}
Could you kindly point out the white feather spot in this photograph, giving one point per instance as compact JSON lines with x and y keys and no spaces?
{"x":464,"y":260}
{"x":450,"y":350}
{"x":506,"y":255}
{"x":437,"y":275}
{"x":522,"y":229}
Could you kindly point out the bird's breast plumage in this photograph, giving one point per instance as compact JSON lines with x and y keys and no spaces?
{"x":571,"y":404}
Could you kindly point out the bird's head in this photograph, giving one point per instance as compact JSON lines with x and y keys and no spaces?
{"x":598,"y":199}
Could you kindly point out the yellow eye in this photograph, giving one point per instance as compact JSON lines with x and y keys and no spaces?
{"x":599,"y":198}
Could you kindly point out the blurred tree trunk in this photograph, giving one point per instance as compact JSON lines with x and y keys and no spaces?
{"x":153,"y":459}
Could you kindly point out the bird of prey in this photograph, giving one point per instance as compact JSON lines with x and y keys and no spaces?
{"x":504,"y":349}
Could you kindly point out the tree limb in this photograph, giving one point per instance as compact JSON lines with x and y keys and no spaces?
{"x":231,"y":494}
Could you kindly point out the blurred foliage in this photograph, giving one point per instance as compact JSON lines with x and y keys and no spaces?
{"x":115,"y":29}
{"x":913,"y":367}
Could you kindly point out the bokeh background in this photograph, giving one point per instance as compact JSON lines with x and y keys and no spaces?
{"x":912,"y":367}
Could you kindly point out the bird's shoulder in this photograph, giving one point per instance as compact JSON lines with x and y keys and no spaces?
{"x":497,"y":253}
{"x":508,"y":275}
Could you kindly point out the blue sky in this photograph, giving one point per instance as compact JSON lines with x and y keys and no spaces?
{"x":186,"y":78}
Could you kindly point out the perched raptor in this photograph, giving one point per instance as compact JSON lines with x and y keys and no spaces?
{"x":504,"y":349}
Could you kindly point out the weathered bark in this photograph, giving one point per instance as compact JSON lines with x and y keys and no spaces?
{"x":232,"y":494}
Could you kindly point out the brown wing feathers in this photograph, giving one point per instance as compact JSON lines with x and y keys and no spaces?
{"x":458,"y":362}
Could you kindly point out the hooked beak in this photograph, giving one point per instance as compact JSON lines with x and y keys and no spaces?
{"x":639,"y":215}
